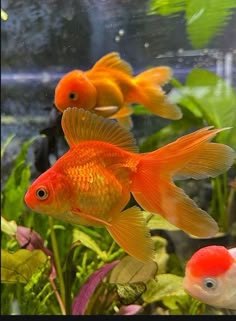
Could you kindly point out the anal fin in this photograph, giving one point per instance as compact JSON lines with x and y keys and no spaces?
{"x":129,"y":230}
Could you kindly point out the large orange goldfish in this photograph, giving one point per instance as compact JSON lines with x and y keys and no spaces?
{"x":109,"y":86}
{"x":210,"y":276}
{"x":91,"y":183}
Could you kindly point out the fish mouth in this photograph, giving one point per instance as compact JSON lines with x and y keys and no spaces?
{"x":27,"y":199}
{"x":191,"y":287}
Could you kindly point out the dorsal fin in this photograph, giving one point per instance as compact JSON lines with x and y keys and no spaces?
{"x":113,"y":61}
{"x":81,"y":125}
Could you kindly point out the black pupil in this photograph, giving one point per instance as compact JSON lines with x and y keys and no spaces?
{"x":41,"y":193}
{"x":209,"y":284}
{"x":72,"y":95}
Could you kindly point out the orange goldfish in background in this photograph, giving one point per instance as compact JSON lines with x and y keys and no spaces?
{"x":91,"y":183}
{"x":108,"y":87}
{"x":210,"y":276}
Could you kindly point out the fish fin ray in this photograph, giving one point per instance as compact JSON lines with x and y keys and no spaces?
{"x":149,"y":93}
{"x":113,"y":61}
{"x":129,"y":230}
{"x":126,"y":122}
{"x":158,"y":76}
{"x":80,"y":125}
{"x":195,"y":156}
{"x":153,"y":187}
{"x":90,"y":218}
{"x":212,"y":160}
{"x":155,"y":99}
{"x":123,"y":116}
{"x":174,"y":205}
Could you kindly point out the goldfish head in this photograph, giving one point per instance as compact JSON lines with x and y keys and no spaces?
{"x":75,"y":90}
{"x":50,"y":194}
{"x":209,"y":274}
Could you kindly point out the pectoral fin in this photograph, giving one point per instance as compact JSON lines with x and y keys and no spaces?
{"x":90,"y":219}
{"x":129,"y":230}
{"x":106,"y":111}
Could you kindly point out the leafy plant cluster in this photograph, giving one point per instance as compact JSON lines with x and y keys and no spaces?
{"x":51,"y":267}
{"x":203,"y":19}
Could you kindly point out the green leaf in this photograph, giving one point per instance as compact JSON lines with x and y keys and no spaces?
{"x":156,"y":221}
{"x":130,"y":292}
{"x":24,"y":150}
{"x":21,"y":265}
{"x":212,"y":99}
{"x":17,"y":184}
{"x":8,"y":227}
{"x":141,"y":110}
{"x":130,"y":270}
{"x":167,"y":7}
{"x":5,"y":144}
{"x":206,"y":18}
{"x":166,"y":286}
{"x":161,"y":255}
{"x":87,"y":241}
{"x":14,"y":191}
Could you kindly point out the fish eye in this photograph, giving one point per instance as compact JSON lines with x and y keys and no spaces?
{"x":209,"y":283}
{"x":42,"y":193}
{"x":73,"y":96}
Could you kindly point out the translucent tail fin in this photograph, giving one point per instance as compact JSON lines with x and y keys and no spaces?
{"x":190,"y":156}
{"x":149,"y":93}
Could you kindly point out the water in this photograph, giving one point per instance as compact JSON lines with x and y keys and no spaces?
{"x":42,"y":40}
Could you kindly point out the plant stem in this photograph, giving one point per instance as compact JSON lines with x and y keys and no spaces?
{"x":57,"y":260}
{"x":63,"y":311}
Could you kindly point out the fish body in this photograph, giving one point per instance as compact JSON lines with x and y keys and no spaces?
{"x":92,"y":182}
{"x":210,"y":276}
{"x":109,"y":86}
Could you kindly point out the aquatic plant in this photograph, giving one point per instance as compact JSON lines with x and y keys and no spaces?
{"x":203,"y":19}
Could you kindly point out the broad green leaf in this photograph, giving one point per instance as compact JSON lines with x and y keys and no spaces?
{"x":141,"y":110}
{"x":156,"y":221}
{"x":21,"y":265}
{"x":212,"y":99}
{"x":8,"y":227}
{"x":167,"y":7}
{"x":203,"y":18}
{"x":130,"y":292}
{"x":167,"y":285}
{"x":87,"y":241}
{"x":130,"y":270}
{"x":206,"y":18}
{"x":175,"y":302}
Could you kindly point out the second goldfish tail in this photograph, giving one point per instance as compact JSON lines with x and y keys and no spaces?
{"x":149,"y":93}
{"x":191,"y":156}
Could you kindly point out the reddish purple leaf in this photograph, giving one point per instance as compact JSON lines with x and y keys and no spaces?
{"x":88,"y":288}
{"x":129,"y":309}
